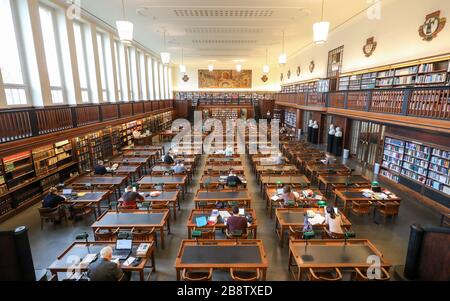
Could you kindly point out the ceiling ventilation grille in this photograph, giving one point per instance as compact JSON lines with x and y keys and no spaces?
{"x":223,"y":13}
{"x":224,"y":41}
{"x":223,"y":30}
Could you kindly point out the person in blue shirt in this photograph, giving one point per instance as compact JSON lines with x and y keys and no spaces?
{"x":100,"y":169}
{"x":233,"y":180}
{"x":52,"y":199}
{"x":179,"y":168}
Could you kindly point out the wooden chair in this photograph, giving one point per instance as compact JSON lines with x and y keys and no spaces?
{"x":388,"y":209}
{"x":144,"y":235}
{"x":168,"y":186}
{"x":52,"y":215}
{"x":158,"y":173}
{"x":196,"y":275}
{"x":320,"y":274}
{"x":160,"y":205}
{"x":295,"y":233}
{"x":205,"y":233}
{"x":361,"y":208}
{"x":105,"y":235}
{"x":328,"y":234}
{"x":245,"y":274}
{"x":79,"y":210}
{"x":360,"y":274}
{"x":231,"y":235}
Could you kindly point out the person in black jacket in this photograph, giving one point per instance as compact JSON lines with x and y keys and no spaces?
{"x":100,"y":169}
{"x":52,"y":199}
{"x":104,"y":269}
{"x":168,"y":159}
{"x":233,"y":180}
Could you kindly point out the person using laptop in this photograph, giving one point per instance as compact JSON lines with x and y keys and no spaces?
{"x":130,"y":198}
{"x":100,"y":168}
{"x":236,"y":222}
{"x":233,"y":180}
{"x":52,"y":199}
{"x":104,"y":269}
{"x":333,"y":220}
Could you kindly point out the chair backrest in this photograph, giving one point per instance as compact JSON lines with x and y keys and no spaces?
{"x":391,"y":208}
{"x":143,"y":235}
{"x":333,"y":274}
{"x":108,"y":235}
{"x":49,"y":212}
{"x":245,"y":274}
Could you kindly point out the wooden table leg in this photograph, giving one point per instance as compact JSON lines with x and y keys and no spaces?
{"x":174,"y":210}
{"x":161,"y":234}
{"x":178,"y":274}
{"x":141,"y":275}
{"x":264,"y":274}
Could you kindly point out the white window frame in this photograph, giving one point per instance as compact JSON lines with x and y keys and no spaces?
{"x":102,"y":57}
{"x":87,"y":90}
{"x":24,"y":87}
{"x":56,"y":91}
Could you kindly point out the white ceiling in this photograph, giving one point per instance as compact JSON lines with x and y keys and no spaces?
{"x":224,"y":31}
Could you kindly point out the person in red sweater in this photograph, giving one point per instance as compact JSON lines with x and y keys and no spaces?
{"x":236,"y":222}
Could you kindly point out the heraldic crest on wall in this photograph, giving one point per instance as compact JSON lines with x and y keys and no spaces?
{"x":433,"y":24}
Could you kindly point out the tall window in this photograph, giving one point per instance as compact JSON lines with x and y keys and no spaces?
{"x":52,"y":53}
{"x":10,"y":63}
{"x":101,"y":58}
{"x":118,"y":70}
{"x":166,"y":82}
{"x":122,"y":71}
{"x":162,"y":95}
{"x":133,"y":73}
{"x":151,"y":93}
{"x":156,"y":79}
{"x":143,"y":76}
{"x":82,"y":62}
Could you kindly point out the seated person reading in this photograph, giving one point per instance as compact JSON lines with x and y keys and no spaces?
{"x":236,"y":222}
{"x":52,"y":199}
{"x":233,"y":180}
{"x":279,"y":159}
{"x":104,"y":269}
{"x":168,"y":159}
{"x":333,"y":221}
{"x":130,"y":198}
{"x":100,"y":168}
{"x":288,"y":196}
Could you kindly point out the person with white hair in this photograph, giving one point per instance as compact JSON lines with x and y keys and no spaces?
{"x":104,"y":269}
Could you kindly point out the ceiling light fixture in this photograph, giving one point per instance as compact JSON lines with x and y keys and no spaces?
{"x":165,"y":56}
{"x":124,"y":27}
{"x":238,"y":67}
{"x":282,"y":59}
{"x":182,"y":66}
{"x":210,"y":67}
{"x":266,"y":67}
{"x":320,"y":29}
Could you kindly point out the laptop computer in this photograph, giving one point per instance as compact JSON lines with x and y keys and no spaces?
{"x":280,"y":191}
{"x":67,"y":192}
{"x":122,"y":249}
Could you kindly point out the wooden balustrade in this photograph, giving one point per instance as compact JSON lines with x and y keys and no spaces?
{"x":316,"y":99}
{"x":14,"y":125}
{"x":387,"y":101}
{"x":423,"y":102}
{"x":87,"y":115}
{"x":357,"y":100}
{"x":50,"y":120}
{"x":125,"y":109}
{"x":336,"y":100}
{"x":431,"y":103}
{"x":18,"y":124}
{"x":110,"y":111}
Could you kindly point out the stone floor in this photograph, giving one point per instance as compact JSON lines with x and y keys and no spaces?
{"x":390,"y":238}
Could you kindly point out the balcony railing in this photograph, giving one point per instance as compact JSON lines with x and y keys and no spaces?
{"x":426,"y":102}
{"x":16,"y":124}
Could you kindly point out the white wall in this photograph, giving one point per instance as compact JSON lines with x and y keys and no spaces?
{"x":396,"y":33}
{"x":272,"y":84}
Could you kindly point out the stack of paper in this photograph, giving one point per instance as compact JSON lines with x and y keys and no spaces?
{"x":129,"y":261}
{"x":275,"y":198}
{"x":88,"y":259}
{"x":310,"y":213}
{"x":316,"y":220}
{"x":224,"y":214}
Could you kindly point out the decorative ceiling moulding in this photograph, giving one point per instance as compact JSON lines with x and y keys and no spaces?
{"x":370,"y":46}
{"x":432,"y":26}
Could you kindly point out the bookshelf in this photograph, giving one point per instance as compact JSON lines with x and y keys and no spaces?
{"x":224,"y":114}
{"x":3,"y":187}
{"x":290,"y":118}
{"x":421,"y":167}
{"x":318,"y":85}
{"x":83,"y":153}
{"x":400,"y":76}
{"x":18,"y":168}
{"x":223,"y":98}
